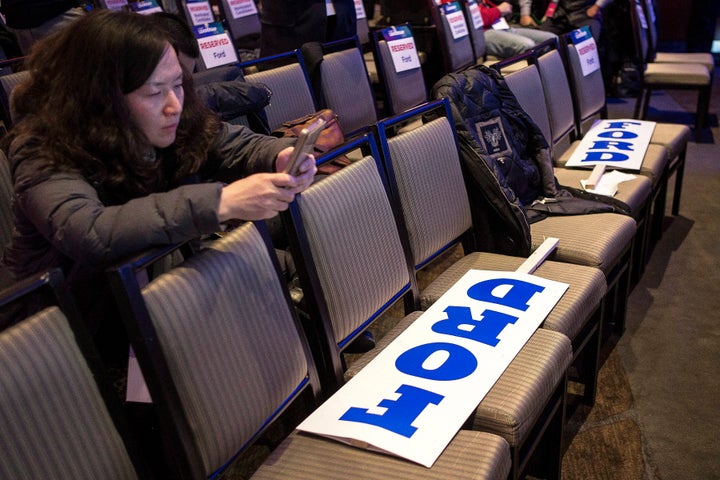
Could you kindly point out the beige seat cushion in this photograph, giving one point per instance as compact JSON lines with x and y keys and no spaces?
{"x":677,"y":73}
{"x":634,"y":193}
{"x":596,"y":240}
{"x":672,"y":136}
{"x":570,"y":314}
{"x":705,"y":59}
{"x":470,"y":455}
{"x":515,"y":402}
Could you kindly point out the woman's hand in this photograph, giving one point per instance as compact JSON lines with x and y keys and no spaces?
{"x":306,"y":172}
{"x":263,"y":195}
{"x":505,"y":8}
{"x":527,"y":21}
{"x":256,"y":197}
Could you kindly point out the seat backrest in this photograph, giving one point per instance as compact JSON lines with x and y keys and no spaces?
{"x":472,"y":15}
{"x":362,"y":27}
{"x":219,"y":346}
{"x":6,"y":196}
{"x":558,"y":96}
{"x":588,"y":90}
{"x":292,"y":95}
{"x":243,"y":21}
{"x":403,"y":90}
{"x":55,"y":417}
{"x":526,"y":85}
{"x":457,"y":53}
{"x":641,"y":33}
{"x":7,"y":84}
{"x":649,"y":11}
{"x":425,"y":173}
{"x":223,"y":73}
{"x":348,"y":251}
{"x":346,"y":86}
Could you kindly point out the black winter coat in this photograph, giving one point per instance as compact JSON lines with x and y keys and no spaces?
{"x":506,"y":162}
{"x":83,"y":234}
{"x":506,"y":159}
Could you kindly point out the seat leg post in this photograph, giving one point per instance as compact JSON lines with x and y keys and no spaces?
{"x":679,"y":174}
{"x":703,"y":107}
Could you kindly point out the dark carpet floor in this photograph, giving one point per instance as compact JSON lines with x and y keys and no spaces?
{"x":657,"y":414}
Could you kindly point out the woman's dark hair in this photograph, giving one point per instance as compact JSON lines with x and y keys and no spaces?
{"x":74,"y":103}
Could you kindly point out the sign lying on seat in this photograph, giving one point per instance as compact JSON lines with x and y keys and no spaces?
{"x":619,"y":143}
{"x":412,"y":398}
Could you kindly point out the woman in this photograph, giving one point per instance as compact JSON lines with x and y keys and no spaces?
{"x":113,"y":154}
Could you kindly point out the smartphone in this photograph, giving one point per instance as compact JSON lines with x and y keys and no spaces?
{"x":304,"y":145}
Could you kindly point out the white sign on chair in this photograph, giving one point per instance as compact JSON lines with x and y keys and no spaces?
{"x":216,"y":49}
{"x":242,"y":8}
{"x":200,"y":12}
{"x":587,"y":50}
{"x":145,"y":7}
{"x":402,"y":48}
{"x":455,"y":20}
{"x":477,"y":20}
{"x":412,"y":398}
{"x":619,"y":143}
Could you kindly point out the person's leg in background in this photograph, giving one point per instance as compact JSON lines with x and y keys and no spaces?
{"x":534,"y":34}
{"x":505,"y":44}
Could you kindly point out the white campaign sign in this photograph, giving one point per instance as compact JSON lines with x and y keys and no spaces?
{"x":619,"y":143}
{"x":242,"y":8}
{"x":200,"y":12}
{"x":587,"y":50}
{"x":412,"y":399}
{"x":401,"y":44}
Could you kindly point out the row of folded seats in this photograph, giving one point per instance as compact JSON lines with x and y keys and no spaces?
{"x":226,"y":353}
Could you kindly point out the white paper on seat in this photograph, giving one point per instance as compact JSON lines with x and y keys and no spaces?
{"x":608,"y":184}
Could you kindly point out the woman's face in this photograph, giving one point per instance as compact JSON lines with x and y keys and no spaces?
{"x":155,"y":107}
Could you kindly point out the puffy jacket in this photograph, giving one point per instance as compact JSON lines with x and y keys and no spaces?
{"x":507,"y":164}
{"x":505,"y":157}
{"x":236,"y":99}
